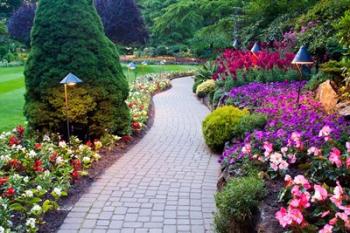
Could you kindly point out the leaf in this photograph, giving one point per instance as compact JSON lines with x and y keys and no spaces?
{"x":18,"y":207}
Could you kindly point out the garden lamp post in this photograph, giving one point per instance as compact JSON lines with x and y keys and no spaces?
{"x":301,"y":58}
{"x":256,"y":48}
{"x":69,"y":80}
{"x":236,"y":44}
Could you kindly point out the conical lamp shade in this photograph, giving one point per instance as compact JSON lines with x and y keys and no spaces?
{"x":256,"y":48}
{"x":236,"y":44}
{"x":71,"y":79}
{"x":303,"y":57}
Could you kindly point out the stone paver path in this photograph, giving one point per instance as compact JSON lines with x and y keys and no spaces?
{"x":165,"y":183}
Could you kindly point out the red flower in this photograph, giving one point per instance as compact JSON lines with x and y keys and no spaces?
{"x":126,"y":138}
{"x":15,"y":164}
{"x":10,"y":192}
{"x":37,"y":146}
{"x":75,"y":175}
{"x":20,"y":130}
{"x":136,"y":125}
{"x":38,"y":166}
{"x":3,"y":180}
{"x":13,"y":140}
{"x":89,"y":143}
{"x":76,"y":163}
{"x":53,"y":157}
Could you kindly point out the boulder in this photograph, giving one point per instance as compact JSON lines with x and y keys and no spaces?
{"x":327,"y":96}
{"x":343,"y":108}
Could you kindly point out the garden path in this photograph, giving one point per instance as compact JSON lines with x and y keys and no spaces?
{"x":165,"y":183}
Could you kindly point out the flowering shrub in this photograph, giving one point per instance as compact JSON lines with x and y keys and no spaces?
{"x":233,"y":60}
{"x":33,"y":176}
{"x":140,"y":97}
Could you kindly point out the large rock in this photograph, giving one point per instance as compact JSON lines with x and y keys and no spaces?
{"x":327,"y":96}
{"x":343,"y":108}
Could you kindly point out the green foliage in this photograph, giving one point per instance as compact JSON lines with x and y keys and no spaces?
{"x":316,"y":80}
{"x":204,"y":73}
{"x":205,"y":88}
{"x":68,"y":37}
{"x":238,"y":201}
{"x":342,"y":28}
{"x":249,"y":123}
{"x":219,"y":126}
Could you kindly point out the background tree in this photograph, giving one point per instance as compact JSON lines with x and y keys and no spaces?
{"x":8,"y":6}
{"x":68,"y":37}
{"x":122,"y":21}
{"x":21,"y":21}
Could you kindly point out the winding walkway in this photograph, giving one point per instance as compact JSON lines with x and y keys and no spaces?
{"x":165,"y":183}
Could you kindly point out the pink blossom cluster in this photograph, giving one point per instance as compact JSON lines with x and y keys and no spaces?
{"x":332,"y":204}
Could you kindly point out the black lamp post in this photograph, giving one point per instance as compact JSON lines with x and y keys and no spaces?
{"x":69,"y":80}
{"x":236,"y":44}
{"x":301,"y":58}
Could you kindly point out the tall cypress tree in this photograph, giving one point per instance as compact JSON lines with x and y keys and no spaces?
{"x":68,"y":37}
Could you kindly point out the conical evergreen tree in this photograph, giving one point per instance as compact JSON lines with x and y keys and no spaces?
{"x":68,"y":37}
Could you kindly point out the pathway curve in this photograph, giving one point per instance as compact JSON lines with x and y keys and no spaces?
{"x":165,"y":183}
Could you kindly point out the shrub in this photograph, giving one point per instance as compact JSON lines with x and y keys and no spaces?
{"x":249,"y":123}
{"x":219,"y":126}
{"x":204,"y":73}
{"x":238,"y":201}
{"x":205,"y":88}
{"x":59,"y":48}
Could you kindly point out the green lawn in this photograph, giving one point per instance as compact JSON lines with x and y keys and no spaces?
{"x":12,"y":90}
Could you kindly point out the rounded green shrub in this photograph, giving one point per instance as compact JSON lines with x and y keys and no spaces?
{"x":68,"y":36}
{"x":205,"y":88}
{"x":238,"y":202}
{"x":219,"y":126}
{"x":249,"y":123}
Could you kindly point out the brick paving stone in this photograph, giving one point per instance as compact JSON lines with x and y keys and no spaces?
{"x":166,"y":183}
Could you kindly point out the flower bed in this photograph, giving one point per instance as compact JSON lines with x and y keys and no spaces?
{"x":33,"y":176}
{"x":303,"y":141}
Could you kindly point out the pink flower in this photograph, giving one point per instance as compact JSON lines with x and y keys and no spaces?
{"x":268,"y":149}
{"x":321,"y":193}
{"x":302,"y":201}
{"x":283,"y":165}
{"x":296,"y":190}
{"x":325,"y":213}
{"x":335,"y":157}
{"x":326,"y":229}
{"x":343,"y":217}
{"x":338,"y":195}
{"x":347,"y":144}
{"x":283,"y":217}
{"x":292,"y":158}
{"x":301,"y":180}
{"x":288,"y":181}
{"x":296,"y":215}
{"x":325,"y":132}
{"x":314,"y":150}
{"x":348,"y":162}
{"x":247,"y":149}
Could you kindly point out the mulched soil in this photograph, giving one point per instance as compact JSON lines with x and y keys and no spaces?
{"x":54,"y":219}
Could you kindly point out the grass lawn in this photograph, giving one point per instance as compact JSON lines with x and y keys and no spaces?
{"x":12,"y":90}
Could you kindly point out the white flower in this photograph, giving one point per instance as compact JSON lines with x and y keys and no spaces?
{"x":39,"y":188}
{"x":59,"y":160}
{"x":28,"y":193}
{"x":26,"y":179}
{"x":30,"y":222}
{"x":57,"y":191}
{"x":46,"y":138}
{"x":81,"y":147}
{"x":276,"y":158}
{"x":32,"y":154}
{"x":2,"y":230}
{"x":5,"y":158}
{"x":62,"y":144}
{"x":46,"y":173}
{"x":86,"y":160}
{"x":17,"y":177}
{"x":36,"y":209}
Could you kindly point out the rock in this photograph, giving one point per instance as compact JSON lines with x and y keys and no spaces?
{"x":343,"y":108}
{"x":327,"y":96}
